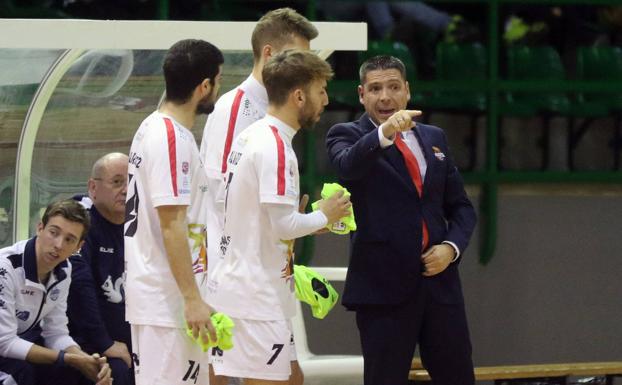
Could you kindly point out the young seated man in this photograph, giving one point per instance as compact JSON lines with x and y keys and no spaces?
{"x":34,"y":281}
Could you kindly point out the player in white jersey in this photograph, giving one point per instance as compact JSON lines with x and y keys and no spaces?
{"x":276,"y":31}
{"x":253,"y":283}
{"x":165,"y":249}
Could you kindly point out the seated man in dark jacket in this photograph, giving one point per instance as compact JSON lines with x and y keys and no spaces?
{"x":96,"y":304}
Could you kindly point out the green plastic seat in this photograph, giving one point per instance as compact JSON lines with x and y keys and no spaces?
{"x":543,"y":63}
{"x":460,"y":62}
{"x":391,"y":48}
{"x":600,"y":63}
{"x":603,"y":63}
{"x":538,"y":63}
{"x":342,"y":89}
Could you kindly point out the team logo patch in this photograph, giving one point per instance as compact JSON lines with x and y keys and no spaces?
{"x":114,"y":290}
{"x":54,"y":294}
{"x":22,"y":315}
{"x":438,"y":153}
{"x":185,"y":166}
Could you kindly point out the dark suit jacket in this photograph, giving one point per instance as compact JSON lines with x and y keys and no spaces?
{"x":385,"y":265}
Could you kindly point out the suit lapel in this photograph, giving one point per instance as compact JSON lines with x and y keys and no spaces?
{"x":366,"y":124}
{"x":426,"y":148}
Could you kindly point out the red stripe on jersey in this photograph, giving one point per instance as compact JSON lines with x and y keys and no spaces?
{"x":172,"y":153}
{"x":280,"y":171}
{"x":232,"y":120}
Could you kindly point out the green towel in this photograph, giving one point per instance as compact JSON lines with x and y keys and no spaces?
{"x":314,"y":290}
{"x":345,"y":224}
{"x":224,"y":333}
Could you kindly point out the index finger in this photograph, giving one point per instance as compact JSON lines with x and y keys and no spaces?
{"x":211,"y":330}
{"x":413,"y":113}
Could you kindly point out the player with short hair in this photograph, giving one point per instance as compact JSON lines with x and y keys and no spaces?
{"x":277,"y":30}
{"x":35,"y":346}
{"x":253,"y":283}
{"x":165,"y":247}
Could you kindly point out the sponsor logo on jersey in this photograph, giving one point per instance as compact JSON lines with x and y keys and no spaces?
{"x":234,"y":157}
{"x":135,"y":159}
{"x":292,"y":172}
{"x":185,"y":167}
{"x":108,"y":250}
{"x":27,"y":292}
{"x":224,"y":243}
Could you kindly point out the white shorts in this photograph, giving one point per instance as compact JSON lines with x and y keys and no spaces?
{"x":167,"y":356}
{"x":261,"y":350}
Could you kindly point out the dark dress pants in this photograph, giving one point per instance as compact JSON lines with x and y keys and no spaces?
{"x":390,"y":333}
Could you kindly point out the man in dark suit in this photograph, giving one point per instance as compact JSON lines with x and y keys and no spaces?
{"x":414,"y":220}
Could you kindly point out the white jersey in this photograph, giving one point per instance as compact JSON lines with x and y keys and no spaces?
{"x":233,"y":113}
{"x":254,"y":279}
{"x":165,"y":170}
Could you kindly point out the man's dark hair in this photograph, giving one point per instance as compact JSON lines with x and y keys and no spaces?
{"x":291,"y":69}
{"x":381,"y":62}
{"x":71,"y":210}
{"x":187,"y":63}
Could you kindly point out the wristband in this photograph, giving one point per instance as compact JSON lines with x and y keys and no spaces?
{"x":60,"y":360}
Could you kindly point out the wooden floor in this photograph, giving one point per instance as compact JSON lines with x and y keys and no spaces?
{"x":515,"y":372}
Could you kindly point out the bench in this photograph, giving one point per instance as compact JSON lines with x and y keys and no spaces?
{"x":547,"y":373}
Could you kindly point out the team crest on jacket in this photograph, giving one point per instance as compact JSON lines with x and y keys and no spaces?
{"x":185,"y":166}
{"x":438,"y":153}
{"x":54,"y":294}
